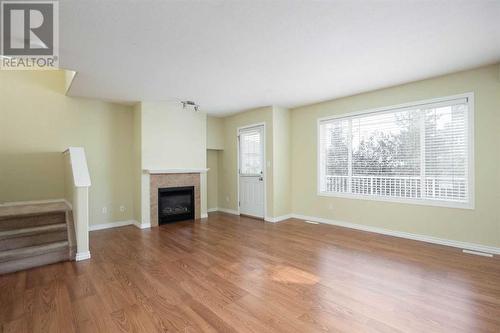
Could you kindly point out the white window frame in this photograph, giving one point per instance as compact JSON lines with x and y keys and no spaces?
{"x":470,"y":204}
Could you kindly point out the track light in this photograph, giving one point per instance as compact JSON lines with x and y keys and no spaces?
{"x":195,"y":106}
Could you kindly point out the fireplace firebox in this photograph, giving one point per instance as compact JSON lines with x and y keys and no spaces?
{"x":175,"y":204}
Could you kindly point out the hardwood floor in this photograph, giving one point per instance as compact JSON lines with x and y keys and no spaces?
{"x":231,"y":274}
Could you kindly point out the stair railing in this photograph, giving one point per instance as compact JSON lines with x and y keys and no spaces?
{"x":77,"y":183}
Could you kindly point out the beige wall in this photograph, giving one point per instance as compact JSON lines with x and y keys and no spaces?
{"x":215,"y":133}
{"x":38,"y":122}
{"x":69,"y":186}
{"x":215,"y":143}
{"x":137,"y":161}
{"x":481,"y":225}
{"x":172,"y":137}
{"x":212,"y":178}
{"x":228,"y":188}
{"x":282,"y":187}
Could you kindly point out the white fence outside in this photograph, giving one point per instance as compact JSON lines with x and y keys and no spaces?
{"x":400,"y":187}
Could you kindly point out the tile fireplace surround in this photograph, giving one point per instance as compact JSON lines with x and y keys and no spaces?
{"x":172,"y":179}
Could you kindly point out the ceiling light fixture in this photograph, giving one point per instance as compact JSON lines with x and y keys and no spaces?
{"x":195,"y":106}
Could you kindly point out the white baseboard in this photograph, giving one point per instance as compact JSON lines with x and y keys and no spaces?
{"x":278,"y":218}
{"x":204,"y":216}
{"x":267,"y":218}
{"x":229,"y":211}
{"x":120,"y":224}
{"x":141,"y":225}
{"x":70,"y":205}
{"x":482,"y":254}
{"x":82,"y":256}
{"x":407,"y":235}
{"x":110,"y":225}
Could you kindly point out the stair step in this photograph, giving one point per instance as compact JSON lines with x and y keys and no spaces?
{"x":26,"y":237}
{"x":23,"y":232}
{"x":34,"y":235}
{"x":34,"y":261}
{"x":27,"y":221}
{"x":16,"y":254}
{"x":31,"y":209}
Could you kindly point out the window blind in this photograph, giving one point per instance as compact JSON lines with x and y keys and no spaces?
{"x":251,"y":154}
{"x":414,"y":153}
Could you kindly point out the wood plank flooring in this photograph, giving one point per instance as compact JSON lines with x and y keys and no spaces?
{"x":235,"y":274}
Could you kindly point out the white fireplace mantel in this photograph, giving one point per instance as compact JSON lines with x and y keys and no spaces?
{"x":163,"y":171}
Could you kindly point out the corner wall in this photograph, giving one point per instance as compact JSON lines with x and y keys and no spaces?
{"x":215,"y":133}
{"x":215,"y":144}
{"x":282,"y":181}
{"x":137,"y":162}
{"x":212,"y":179}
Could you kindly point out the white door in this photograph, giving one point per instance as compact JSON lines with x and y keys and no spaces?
{"x":251,"y":171}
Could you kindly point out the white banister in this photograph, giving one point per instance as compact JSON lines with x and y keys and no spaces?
{"x":77,"y":183}
{"x":81,"y":176}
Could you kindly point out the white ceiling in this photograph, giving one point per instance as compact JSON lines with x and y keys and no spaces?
{"x":229,"y":56}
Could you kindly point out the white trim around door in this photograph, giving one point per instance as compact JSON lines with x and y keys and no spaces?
{"x":264,"y":165}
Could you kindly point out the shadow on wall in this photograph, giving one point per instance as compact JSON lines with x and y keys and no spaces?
{"x":31,"y":176}
{"x":47,"y":83}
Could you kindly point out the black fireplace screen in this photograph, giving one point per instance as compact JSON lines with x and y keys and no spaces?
{"x":175,"y":204}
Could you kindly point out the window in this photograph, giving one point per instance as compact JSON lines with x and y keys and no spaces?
{"x":251,"y":152}
{"x":419,"y":153}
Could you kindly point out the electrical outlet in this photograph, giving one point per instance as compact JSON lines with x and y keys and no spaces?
{"x":227,"y":198}
{"x":330,"y":206}
{"x":122,"y":208}
{"x":104,"y":210}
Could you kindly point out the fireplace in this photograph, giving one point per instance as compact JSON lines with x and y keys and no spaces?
{"x":176,"y":204}
{"x":165,"y":179}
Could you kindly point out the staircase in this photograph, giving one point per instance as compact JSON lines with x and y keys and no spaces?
{"x":34,"y":235}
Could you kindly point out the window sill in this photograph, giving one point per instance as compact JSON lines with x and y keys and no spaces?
{"x":435,"y":203}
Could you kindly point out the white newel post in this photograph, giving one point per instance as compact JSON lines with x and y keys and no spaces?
{"x":77,"y":190}
{"x":81,"y":218}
